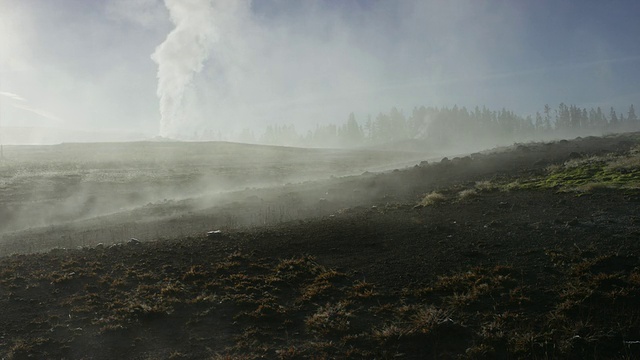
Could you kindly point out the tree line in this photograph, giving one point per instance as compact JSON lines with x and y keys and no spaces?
{"x":452,"y":126}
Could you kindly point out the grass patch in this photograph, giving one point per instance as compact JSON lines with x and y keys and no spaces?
{"x":584,"y":175}
{"x":486,"y":186}
{"x":467,"y":194}
{"x":432,"y":198}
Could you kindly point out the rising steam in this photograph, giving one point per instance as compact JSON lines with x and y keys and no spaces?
{"x":182,"y":55}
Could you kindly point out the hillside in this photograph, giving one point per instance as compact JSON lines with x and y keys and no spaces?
{"x":525,"y":252}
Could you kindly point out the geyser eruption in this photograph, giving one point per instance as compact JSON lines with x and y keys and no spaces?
{"x":182,"y":55}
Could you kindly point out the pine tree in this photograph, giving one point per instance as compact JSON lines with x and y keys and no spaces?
{"x":539,"y":125}
{"x":368,"y":128}
{"x":613,"y":123}
{"x":601,"y":120}
{"x":631,"y":116}
{"x":563,"y":120}
{"x":352,"y":132}
{"x":547,"y":117}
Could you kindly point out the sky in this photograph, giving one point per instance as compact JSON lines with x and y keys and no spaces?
{"x":176,"y":67}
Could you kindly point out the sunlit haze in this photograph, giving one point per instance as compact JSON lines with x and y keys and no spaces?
{"x":135,"y":69}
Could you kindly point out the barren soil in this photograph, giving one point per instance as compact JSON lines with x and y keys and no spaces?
{"x":473,"y":257}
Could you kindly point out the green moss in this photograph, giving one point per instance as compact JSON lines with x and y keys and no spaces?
{"x":583,"y":176}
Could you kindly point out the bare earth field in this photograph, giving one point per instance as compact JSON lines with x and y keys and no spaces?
{"x":85,"y":194}
{"x":530,"y":251}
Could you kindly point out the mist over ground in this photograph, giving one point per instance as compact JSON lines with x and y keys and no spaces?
{"x":68,"y":185}
{"x":400,"y":82}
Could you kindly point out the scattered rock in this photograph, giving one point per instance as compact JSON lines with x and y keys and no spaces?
{"x":214,"y":234}
{"x":573,"y":222}
{"x":493,"y":224}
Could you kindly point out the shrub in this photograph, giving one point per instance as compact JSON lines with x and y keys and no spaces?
{"x":432,"y":199}
{"x":467,"y":194}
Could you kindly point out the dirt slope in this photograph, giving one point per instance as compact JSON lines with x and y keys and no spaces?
{"x":479,"y":257}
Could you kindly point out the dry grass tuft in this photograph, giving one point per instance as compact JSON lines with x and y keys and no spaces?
{"x":330,"y":318}
{"x":432,"y":198}
{"x":467,"y":194}
{"x":485,"y":186}
{"x":629,"y":162}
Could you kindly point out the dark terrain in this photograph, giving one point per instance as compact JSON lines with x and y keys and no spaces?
{"x":530,"y":251}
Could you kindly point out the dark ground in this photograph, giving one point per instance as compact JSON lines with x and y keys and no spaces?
{"x":523,"y":273}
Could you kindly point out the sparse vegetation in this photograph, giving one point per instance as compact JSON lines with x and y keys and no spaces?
{"x":533,"y":272}
{"x":485,"y":185}
{"x":467,"y":194}
{"x":581,"y":175}
{"x":432,"y":198}
{"x":479,"y":311}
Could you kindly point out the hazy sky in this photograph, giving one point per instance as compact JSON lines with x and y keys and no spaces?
{"x":233,"y":64}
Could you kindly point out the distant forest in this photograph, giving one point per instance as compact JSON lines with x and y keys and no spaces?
{"x":453,"y":127}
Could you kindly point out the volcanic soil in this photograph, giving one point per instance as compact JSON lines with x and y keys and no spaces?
{"x":530,"y":251}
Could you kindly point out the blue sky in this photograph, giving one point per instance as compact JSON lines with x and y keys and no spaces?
{"x":87,"y":64}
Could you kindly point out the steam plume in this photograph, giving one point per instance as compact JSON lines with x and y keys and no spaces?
{"x":182,"y":55}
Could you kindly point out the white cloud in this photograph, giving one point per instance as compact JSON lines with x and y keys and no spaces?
{"x":16,"y":29}
{"x":20,"y":103}
{"x":147,"y":13}
{"x":41,"y":113}
{"x":12,"y":96}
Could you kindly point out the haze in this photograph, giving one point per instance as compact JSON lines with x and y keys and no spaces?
{"x":134,"y":69}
